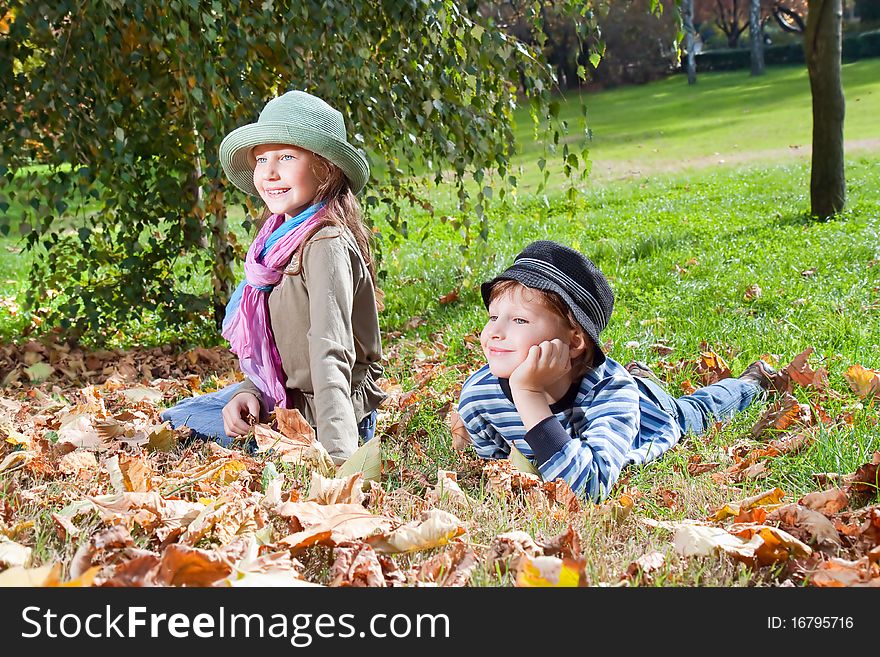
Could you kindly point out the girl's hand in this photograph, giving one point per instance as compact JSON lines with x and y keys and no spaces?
{"x":545,"y":364}
{"x":235,"y":412}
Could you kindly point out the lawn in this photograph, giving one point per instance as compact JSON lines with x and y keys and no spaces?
{"x":704,"y":260}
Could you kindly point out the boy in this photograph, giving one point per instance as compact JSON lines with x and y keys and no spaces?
{"x":548,"y":389}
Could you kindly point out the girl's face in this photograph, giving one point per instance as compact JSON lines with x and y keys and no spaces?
{"x":285,"y":177}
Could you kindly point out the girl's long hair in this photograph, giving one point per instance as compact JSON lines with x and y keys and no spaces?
{"x":342,"y":209}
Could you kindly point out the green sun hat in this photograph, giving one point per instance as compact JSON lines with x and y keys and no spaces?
{"x":299,"y":119}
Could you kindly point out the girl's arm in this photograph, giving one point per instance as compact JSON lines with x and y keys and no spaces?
{"x":329,"y":275}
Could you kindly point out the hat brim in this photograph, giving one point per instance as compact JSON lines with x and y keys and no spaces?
{"x":533,"y":280}
{"x":235,"y":152}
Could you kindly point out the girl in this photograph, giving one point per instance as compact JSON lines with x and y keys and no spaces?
{"x":304,"y":321}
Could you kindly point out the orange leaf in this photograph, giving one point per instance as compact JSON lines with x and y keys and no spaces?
{"x":863,"y":381}
{"x":449,"y":298}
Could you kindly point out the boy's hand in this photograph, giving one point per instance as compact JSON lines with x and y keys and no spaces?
{"x":235,"y":412}
{"x":545,"y":365}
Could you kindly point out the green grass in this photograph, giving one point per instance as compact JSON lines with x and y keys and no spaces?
{"x":726,"y":118}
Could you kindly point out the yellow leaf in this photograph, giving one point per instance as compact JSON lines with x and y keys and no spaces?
{"x":731,"y":509}
{"x":862,"y":380}
{"x":84,"y":580}
{"x":229,"y":471}
{"x":549,"y":571}
{"x":162,"y":438}
{"x":15,"y":439}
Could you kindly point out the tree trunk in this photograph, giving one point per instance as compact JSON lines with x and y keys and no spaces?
{"x":822,"y":47}
{"x":756,"y":37}
{"x":690,"y":42}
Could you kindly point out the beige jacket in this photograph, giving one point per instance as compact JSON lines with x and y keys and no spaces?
{"x":327,"y":332}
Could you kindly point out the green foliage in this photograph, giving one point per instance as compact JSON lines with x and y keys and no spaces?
{"x":115,"y":111}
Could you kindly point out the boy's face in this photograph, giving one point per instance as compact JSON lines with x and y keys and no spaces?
{"x":285,"y":177}
{"x":518,"y":319}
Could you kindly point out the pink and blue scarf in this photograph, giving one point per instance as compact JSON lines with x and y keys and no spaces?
{"x":247,"y":325}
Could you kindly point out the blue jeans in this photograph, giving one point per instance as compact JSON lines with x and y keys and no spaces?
{"x":696,"y":411}
{"x":203,"y":415}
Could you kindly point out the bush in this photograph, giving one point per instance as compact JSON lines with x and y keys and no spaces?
{"x":850,"y":48}
{"x":869,"y":44}
{"x":726,"y":59}
{"x":854,"y":47}
{"x":790,"y":53}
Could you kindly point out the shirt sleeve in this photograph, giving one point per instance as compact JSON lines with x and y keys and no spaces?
{"x":329,"y":277}
{"x":249,"y":386}
{"x":488,"y":443}
{"x":590,"y":455}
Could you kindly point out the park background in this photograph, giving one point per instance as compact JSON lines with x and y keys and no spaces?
{"x":695,"y":199}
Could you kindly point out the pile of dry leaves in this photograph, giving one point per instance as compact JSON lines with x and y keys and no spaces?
{"x":128,"y":501}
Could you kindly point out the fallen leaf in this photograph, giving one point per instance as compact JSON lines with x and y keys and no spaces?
{"x":95,"y":549}
{"x":435,"y":528}
{"x":292,"y":424}
{"x":345,"y":490}
{"x":293,"y":450}
{"x":753,"y":292}
{"x":711,"y":367}
{"x":181,"y":565}
{"x":771,"y":544}
{"x":19,"y":576}
{"x":330,"y":524}
{"x":615,"y":511}
{"x":448,"y":298}
{"x":450,"y":568}
{"x":784,"y":413}
{"x":696,"y":467}
{"x":644,"y":566}
{"x":800,"y":372}
{"x":521,"y":463}
{"x":162,"y":438}
{"x":39,"y":372}
{"x":700,"y":540}
{"x":13,"y":554}
{"x":828,"y":502}
{"x":765,"y":498}
{"x":842,"y":572}
{"x":366,"y":459}
{"x":564,"y":545}
{"x":806,"y":524}
{"x":78,"y":462}
{"x":461,"y":439}
{"x":866,"y":478}
{"x":550,"y":571}
{"x":137,"y":473}
{"x":142,"y":393}
{"x":862,"y":380}
{"x":508,"y":549}
{"x":448,"y":490}
{"x":356,"y":564}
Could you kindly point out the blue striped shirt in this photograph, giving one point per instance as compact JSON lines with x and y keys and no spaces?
{"x":601,"y":426}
